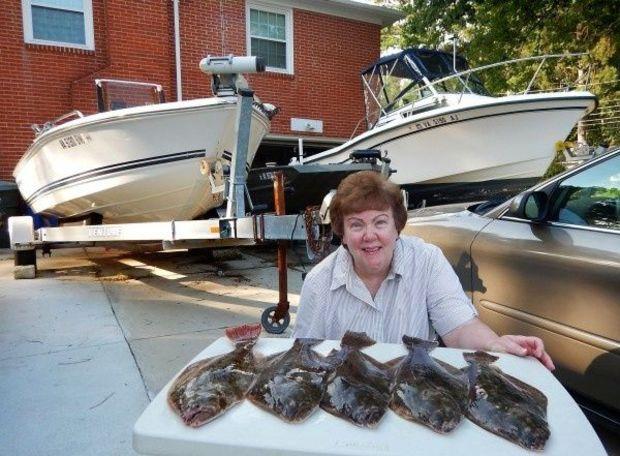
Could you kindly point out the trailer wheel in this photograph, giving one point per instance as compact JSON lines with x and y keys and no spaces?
{"x":271,"y":325}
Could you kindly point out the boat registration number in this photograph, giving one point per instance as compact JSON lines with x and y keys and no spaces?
{"x":269,"y":176}
{"x":70,"y":141}
{"x":435,"y":121}
{"x":104,"y":231}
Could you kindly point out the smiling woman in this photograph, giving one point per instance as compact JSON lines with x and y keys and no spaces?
{"x":389,"y":285}
{"x":368,"y":213}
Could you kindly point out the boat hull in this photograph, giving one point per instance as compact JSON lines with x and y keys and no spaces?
{"x":137,"y":164}
{"x":300,"y":184}
{"x":482,"y":140}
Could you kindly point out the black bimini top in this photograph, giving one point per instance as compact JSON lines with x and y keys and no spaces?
{"x":426,"y":63}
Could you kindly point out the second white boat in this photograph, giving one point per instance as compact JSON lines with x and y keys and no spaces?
{"x":443,"y":141}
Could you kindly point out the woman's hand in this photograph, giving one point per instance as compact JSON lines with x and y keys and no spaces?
{"x":475,"y":335}
{"x":522,"y":346}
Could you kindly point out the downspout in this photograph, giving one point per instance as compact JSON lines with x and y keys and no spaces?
{"x":177,"y":49}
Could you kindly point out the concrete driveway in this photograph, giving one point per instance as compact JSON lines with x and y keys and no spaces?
{"x":87,"y":344}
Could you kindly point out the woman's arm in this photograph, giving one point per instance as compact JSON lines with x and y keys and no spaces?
{"x":475,"y":335}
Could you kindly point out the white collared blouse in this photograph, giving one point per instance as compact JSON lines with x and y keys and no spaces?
{"x":421,"y":296}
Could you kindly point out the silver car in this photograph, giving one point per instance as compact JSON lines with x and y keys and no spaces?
{"x":547,"y":263}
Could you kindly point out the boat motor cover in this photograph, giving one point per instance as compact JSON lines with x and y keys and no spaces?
{"x":232,"y":65}
{"x":365,"y":154}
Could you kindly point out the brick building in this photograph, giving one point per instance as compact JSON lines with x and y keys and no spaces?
{"x":52,"y":50}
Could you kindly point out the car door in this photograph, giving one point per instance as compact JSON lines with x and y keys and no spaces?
{"x":453,"y":233}
{"x":560,"y":279}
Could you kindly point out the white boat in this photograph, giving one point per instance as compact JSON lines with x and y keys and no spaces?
{"x":138,"y":164}
{"x":447,"y":137}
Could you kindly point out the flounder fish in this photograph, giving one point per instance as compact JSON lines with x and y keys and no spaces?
{"x":209,"y":387}
{"x":425,"y":391}
{"x":505,"y":405}
{"x":358,"y":390}
{"x":290,"y":384}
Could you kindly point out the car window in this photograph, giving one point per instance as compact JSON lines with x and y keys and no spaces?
{"x":590,"y":198}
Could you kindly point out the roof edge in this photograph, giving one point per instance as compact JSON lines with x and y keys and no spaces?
{"x":350,"y":9}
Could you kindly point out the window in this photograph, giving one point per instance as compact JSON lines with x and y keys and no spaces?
{"x":591,"y":197}
{"x":67,"y":23}
{"x":270,"y":35}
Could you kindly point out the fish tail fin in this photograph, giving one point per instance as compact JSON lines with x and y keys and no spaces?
{"x":306,"y":342}
{"x":243,"y":333}
{"x":414,"y":342}
{"x":479,"y":357}
{"x":335,"y":358}
{"x":472,"y":377}
{"x":356,"y":340}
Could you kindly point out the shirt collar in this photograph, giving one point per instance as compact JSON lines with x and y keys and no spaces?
{"x":398,"y":266}
{"x":343,"y":267}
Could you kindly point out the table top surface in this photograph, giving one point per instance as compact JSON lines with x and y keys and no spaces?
{"x":246,"y":430}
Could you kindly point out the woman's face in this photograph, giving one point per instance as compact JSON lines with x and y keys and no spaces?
{"x":370,"y":237}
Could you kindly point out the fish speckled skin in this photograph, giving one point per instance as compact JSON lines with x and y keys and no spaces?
{"x":291,"y":384}
{"x":425,"y":391}
{"x":359,"y":388}
{"x":504,"y":405}
{"x":209,"y":387}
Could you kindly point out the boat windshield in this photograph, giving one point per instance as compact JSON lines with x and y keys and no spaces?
{"x":397,"y":80}
{"x":115,"y":94}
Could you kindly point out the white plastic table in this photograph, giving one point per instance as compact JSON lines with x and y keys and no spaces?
{"x":246,"y":430}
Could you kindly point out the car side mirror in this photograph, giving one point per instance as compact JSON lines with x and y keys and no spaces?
{"x":530,"y":206}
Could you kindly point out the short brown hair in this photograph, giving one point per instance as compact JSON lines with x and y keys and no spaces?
{"x":366,"y":190}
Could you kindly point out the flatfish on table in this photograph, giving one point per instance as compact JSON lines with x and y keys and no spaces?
{"x":290,"y":384}
{"x":209,"y":387}
{"x":504,"y":405}
{"x":358,"y":390}
{"x":426,"y":390}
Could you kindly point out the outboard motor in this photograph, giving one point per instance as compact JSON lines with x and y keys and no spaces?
{"x":226,"y":72}
{"x":372,"y":156}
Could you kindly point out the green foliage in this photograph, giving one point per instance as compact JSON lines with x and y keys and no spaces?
{"x":491,"y":31}
{"x":556,"y":166}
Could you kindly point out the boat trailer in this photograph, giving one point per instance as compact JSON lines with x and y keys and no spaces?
{"x":236,"y":228}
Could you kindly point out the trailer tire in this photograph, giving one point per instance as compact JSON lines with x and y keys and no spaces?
{"x":272,"y":326}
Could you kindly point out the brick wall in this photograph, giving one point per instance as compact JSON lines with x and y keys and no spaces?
{"x":35,"y":81}
{"x":135,"y":41}
{"x":329,"y":54}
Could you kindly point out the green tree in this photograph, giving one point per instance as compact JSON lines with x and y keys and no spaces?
{"x":491,"y":31}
